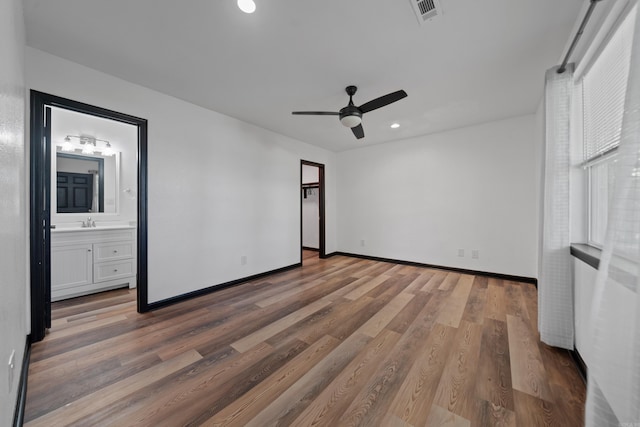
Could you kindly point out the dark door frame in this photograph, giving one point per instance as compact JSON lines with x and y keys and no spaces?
{"x":320,"y":166}
{"x":40,"y":193}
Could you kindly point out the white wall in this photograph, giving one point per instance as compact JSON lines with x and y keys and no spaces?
{"x":219,"y":188}
{"x":13,"y":215}
{"x":584,"y":277}
{"x":310,"y":174}
{"x":424,"y":198}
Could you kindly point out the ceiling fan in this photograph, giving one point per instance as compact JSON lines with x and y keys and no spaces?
{"x":351,"y":115}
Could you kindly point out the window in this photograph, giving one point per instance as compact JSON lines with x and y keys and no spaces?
{"x":600,"y":190}
{"x":603,"y":93}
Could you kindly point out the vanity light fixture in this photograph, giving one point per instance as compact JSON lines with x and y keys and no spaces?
{"x":247,"y":6}
{"x":89,"y":144}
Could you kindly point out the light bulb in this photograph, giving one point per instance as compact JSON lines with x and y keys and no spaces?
{"x":88,"y":149}
{"x":108,"y":151}
{"x":395,"y":125}
{"x":66,"y":145}
{"x":247,"y":6}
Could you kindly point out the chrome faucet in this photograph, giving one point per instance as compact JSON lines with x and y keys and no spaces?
{"x":88,"y":223}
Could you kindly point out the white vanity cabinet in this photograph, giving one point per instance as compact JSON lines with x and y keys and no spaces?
{"x":84,"y":261}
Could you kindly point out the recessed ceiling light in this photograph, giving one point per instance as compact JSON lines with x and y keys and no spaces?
{"x":247,"y":6}
{"x":395,"y":126}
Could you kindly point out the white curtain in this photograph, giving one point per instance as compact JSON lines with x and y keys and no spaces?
{"x":613,"y":397}
{"x":555,"y":291}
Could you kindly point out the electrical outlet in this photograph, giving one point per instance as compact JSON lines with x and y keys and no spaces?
{"x":243,"y":260}
{"x":461,"y":253}
{"x":475,"y":254}
{"x":12,"y":368}
{"x":362,"y":242}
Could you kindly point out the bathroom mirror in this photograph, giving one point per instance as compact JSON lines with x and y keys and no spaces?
{"x":85,"y":183}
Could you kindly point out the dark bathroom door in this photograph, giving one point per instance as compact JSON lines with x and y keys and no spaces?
{"x":74,"y":192}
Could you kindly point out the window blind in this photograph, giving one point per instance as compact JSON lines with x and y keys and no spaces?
{"x":604,"y":87}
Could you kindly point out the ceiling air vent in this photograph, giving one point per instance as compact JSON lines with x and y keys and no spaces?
{"x":426,"y":9}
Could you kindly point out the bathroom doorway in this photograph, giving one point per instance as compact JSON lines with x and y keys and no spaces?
{"x":112,"y":197}
{"x":312,"y":211}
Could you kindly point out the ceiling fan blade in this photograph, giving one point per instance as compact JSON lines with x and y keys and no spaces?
{"x":316,"y":113}
{"x":358,"y":131}
{"x":382,"y":101}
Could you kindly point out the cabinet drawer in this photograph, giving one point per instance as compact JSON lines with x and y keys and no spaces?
{"x":113,"y":270}
{"x":112,"y":251}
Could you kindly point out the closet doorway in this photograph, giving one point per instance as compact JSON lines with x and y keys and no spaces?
{"x":312,"y":215}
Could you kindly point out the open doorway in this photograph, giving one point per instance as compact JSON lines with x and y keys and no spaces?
{"x":312,"y":204}
{"x":80,"y":142}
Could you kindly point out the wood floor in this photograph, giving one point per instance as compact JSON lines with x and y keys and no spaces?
{"x":338,"y":342}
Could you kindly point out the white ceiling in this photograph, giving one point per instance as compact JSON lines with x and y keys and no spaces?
{"x":481,"y":61}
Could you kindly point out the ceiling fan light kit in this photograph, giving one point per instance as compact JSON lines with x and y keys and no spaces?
{"x":351,"y":121}
{"x":351,"y":115}
{"x":247,"y":6}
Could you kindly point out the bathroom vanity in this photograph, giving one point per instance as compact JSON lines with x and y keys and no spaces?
{"x":89,"y":260}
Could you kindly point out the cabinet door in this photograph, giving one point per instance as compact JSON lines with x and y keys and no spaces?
{"x":71,"y":266}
